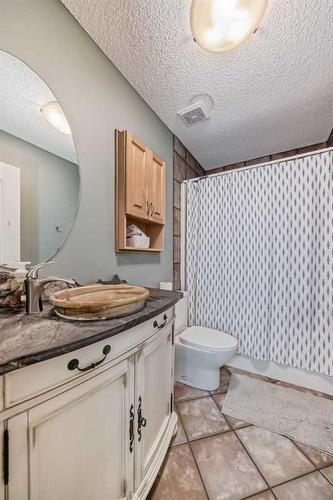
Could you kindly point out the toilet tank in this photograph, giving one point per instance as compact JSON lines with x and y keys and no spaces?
{"x":181,"y":313}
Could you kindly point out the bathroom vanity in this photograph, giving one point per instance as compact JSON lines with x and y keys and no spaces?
{"x":86,"y":408}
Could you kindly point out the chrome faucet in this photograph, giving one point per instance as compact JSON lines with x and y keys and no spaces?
{"x":35,"y":286}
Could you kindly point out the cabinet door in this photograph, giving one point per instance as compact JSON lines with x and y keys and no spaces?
{"x":156,"y":189}
{"x":77,"y":442}
{"x":153,"y":392}
{"x":2,"y":456}
{"x":136,"y":161}
{"x":18,"y":461}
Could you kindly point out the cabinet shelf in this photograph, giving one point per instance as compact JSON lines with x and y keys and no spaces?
{"x":138,"y":249}
{"x":143,"y":221}
{"x":140,"y":192}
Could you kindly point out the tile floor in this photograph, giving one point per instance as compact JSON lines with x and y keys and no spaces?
{"x":217,"y":457}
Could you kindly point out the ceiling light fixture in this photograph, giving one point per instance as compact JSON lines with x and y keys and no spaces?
{"x":220,"y":25}
{"x":53,"y":113}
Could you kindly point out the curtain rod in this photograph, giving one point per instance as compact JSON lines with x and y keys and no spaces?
{"x":258,"y":165}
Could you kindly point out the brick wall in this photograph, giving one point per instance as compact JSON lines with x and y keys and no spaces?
{"x":330,"y":140}
{"x":275,"y":156}
{"x":184,"y":167}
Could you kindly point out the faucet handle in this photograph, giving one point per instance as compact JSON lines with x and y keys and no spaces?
{"x":33,"y":272}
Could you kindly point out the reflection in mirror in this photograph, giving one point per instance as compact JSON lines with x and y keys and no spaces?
{"x":39,"y":174}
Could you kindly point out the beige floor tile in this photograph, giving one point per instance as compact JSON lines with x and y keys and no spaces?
{"x":310,"y":487}
{"x":265,"y":495}
{"x":184,"y":392}
{"x":328,"y":473}
{"x":179,"y":478}
{"x":276,"y":456}
{"x":319,"y":458}
{"x":226,"y":468}
{"x":219,"y":399}
{"x":180,"y":436}
{"x":201,"y":418}
{"x":224,"y":382}
{"x":235,"y":423}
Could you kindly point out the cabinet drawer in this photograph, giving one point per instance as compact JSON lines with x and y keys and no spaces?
{"x":26,"y":383}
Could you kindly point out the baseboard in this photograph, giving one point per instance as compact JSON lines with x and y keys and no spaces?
{"x":296,"y":376}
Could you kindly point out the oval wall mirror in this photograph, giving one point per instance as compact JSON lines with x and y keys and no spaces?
{"x":39,"y":172}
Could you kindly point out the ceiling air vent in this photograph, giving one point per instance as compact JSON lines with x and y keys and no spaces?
{"x":194,"y":114}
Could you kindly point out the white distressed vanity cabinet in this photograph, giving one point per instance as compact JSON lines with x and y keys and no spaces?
{"x":96,"y":434}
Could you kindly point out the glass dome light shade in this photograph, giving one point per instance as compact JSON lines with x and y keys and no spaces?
{"x":53,"y":113}
{"x":221,"y":25}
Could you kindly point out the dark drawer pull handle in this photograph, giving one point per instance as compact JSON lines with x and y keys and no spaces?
{"x":165,"y":319}
{"x":74,"y":363}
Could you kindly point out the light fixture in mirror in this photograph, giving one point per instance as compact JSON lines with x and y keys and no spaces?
{"x":220,"y":25}
{"x":53,"y":113}
{"x":39,"y":172}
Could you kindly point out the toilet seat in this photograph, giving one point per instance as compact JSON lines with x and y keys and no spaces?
{"x":207,"y":339}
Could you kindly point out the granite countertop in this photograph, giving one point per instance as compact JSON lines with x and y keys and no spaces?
{"x":27,"y":339}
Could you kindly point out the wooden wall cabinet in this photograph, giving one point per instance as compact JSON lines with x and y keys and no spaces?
{"x":140,"y":192}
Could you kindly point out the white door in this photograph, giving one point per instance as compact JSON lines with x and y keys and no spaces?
{"x":153,"y":393}
{"x":76,"y":446}
{"x":10,"y":215}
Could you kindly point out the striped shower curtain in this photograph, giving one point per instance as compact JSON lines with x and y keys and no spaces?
{"x":259,"y":259}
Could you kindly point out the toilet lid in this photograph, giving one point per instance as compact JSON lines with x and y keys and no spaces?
{"x":208,"y":339}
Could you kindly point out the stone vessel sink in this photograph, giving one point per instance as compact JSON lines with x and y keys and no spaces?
{"x":98,"y":302}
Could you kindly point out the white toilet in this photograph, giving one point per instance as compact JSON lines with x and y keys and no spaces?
{"x":200,"y":351}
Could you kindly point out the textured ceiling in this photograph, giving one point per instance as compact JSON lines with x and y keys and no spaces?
{"x":272,"y":94}
{"x":22,"y":93}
